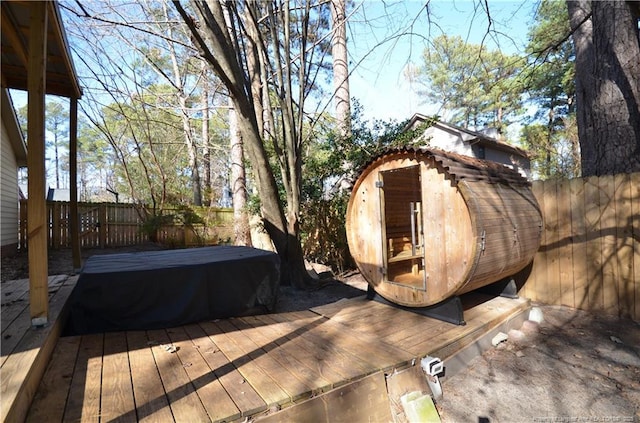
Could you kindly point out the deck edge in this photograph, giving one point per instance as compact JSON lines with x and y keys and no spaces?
{"x":15,"y":404}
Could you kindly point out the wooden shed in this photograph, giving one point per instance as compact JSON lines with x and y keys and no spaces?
{"x":424,"y":225}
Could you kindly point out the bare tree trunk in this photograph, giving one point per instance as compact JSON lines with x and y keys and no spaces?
{"x":206,"y":148}
{"x":219,"y":43}
{"x":189,"y":139}
{"x":607,"y":85}
{"x":241,"y":228}
{"x":340,"y":67}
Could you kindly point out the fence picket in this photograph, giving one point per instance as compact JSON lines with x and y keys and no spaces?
{"x":635,"y":237}
{"x":114,"y":225}
{"x":565,"y":257}
{"x":594,"y":241}
{"x":624,"y":244}
{"x":552,"y":224}
{"x":579,"y":263}
{"x":608,"y":243}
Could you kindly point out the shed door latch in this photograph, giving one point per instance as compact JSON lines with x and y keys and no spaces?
{"x":379,"y":184}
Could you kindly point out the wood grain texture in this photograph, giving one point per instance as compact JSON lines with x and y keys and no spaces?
{"x":244,"y":395}
{"x":301,"y":368}
{"x":624,"y":244}
{"x":579,"y":263}
{"x":330,"y":355}
{"x":635,"y":223}
{"x":552,"y":239}
{"x":49,"y":402}
{"x":116,"y":402}
{"x":231,"y":369}
{"x":593,"y":215}
{"x":364,"y":400}
{"x":598,"y":247}
{"x":214,"y":397}
{"x":37,"y":224}
{"x":83,"y":401}
{"x":23,"y":367}
{"x":183,"y":400}
{"x":151,"y":401}
{"x":565,"y":257}
{"x":265,"y":385}
{"x":610,"y":249}
{"x":474,"y":232}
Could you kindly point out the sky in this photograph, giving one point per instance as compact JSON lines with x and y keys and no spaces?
{"x":377,"y":80}
{"x":379,"y":53}
{"x":378,"y":56}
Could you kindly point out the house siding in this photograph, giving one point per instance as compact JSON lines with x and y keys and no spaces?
{"x":447,"y":141}
{"x":8,"y":197}
{"x":460,"y":142}
{"x":518,"y":164}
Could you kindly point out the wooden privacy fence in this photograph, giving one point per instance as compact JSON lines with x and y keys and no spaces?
{"x":589,"y":257}
{"x":117,"y":225}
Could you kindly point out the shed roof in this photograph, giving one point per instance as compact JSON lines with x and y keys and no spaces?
{"x":61,"y":78}
{"x":467,"y":135}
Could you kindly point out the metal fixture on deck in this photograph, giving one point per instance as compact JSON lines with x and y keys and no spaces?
{"x":432,"y":366}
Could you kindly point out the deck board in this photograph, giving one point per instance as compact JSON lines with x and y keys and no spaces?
{"x":285,"y":356}
{"x":264,"y":384}
{"x":219,"y":405}
{"x":15,"y":317}
{"x":289,"y":383}
{"x":246,"y":399}
{"x":51,"y":398}
{"x":149,"y":396}
{"x":328,"y":365}
{"x":231,"y":369}
{"x":183,"y":400}
{"x":83,"y":401}
{"x":116,"y":401}
{"x":26,"y":351}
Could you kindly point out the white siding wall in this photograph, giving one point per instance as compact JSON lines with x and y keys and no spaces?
{"x":447,"y":141}
{"x":521,"y":166}
{"x":8,"y":193}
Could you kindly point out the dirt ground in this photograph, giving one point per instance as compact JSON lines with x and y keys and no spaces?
{"x":573,"y":367}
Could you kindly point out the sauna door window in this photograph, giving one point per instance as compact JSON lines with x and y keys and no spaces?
{"x":402,"y":226}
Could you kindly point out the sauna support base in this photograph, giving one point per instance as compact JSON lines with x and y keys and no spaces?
{"x":449,"y":310}
{"x":505,"y":288}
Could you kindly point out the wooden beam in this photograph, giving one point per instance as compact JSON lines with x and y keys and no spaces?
{"x":36,"y":213}
{"x":12,"y":32}
{"x":71,"y":80}
{"x":74,"y":224}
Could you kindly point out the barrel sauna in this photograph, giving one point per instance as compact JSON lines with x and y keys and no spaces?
{"x":424,"y":225}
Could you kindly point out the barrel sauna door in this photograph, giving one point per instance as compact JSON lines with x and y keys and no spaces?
{"x":402,"y":233}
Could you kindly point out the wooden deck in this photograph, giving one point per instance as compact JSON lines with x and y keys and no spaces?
{"x":229,"y":369}
{"x":26,"y":351}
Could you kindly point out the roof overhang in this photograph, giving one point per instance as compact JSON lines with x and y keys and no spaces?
{"x":12,"y":126}
{"x":61,"y":78}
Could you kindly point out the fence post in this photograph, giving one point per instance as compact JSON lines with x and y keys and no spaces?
{"x":102,"y":229}
{"x":54,"y":210}
{"x":23,"y":225}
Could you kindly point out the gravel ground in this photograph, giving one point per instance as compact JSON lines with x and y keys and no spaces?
{"x":573,"y":367}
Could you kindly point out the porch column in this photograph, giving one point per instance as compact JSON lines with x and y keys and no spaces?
{"x":37,"y":225}
{"x":74,"y":224}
